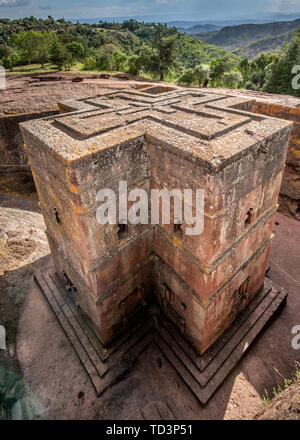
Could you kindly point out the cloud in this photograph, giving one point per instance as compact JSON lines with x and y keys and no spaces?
{"x":286,"y":6}
{"x":14,"y":3}
{"x":44,"y":7}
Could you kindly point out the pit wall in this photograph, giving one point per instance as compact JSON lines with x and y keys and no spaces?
{"x":13,"y":157}
{"x":289,"y":198}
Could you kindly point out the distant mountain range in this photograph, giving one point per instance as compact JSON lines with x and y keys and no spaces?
{"x":250,"y":39}
{"x":267,"y":45}
{"x":185,"y":24}
{"x":245,"y":37}
{"x":198,"y":28}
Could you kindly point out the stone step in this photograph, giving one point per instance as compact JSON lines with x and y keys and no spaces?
{"x":158,"y":410}
{"x":102,"y":375}
{"x":204,"y":360}
{"x":241,"y":348}
{"x":150,"y":412}
{"x":69,"y":331}
{"x":125,"y":364}
{"x":165,"y":411}
{"x":106,"y":353}
{"x":109,"y":355}
{"x":232,"y":352}
{"x":264,"y":300}
{"x":202,"y":374}
{"x":75,"y":323}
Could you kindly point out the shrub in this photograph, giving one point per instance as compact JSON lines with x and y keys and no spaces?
{"x":188,"y":77}
{"x":134,"y":64}
{"x":232,"y":79}
{"x":90,"y":64}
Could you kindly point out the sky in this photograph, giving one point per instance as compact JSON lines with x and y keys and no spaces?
{"x":167,"y":9}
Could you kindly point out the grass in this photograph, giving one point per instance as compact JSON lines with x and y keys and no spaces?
{"x":48,"y":68}
{"x":32,"y":68}
{"x":75,"y":69}
{"x":286,"y":383}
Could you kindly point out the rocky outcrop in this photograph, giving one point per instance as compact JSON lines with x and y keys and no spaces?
{"x":289,"y":199}
{"x":284,"y":406}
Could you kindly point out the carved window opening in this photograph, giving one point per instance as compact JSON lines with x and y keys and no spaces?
{"x":71,"y":289}
{"x":172,"y":299}
{"x":130,"y":303}
{"x":178,"y":231}
{"x":169,"y":294}
{"x":176,"y":307}
{"x":122,"y":230}
{"x":68,"y":282}
{"x":244,"y":287}
{"x":241,"y":294}
{"x":249,"y":218}
{"x":57,"y":218}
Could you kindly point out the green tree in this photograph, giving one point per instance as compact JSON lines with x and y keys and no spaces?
{"x":217,"y":69}
{"x":74,"y":51}
{"x":161,"y":57}
{"x":43,"y":47}
{"x":245,"y":68}
{"x":90,"y":64}
{"x":104,"y":61}
{"x":25,"y":43}
{"x":257,"y":79}
{"x":232,"y":79}
{"x":33,"y":46}
{"x":11,"y":60}
{"x":76,"y":44}
{"x":166,"y":53}
{"x":134,"y":63}
{"x":4,"y":50}
{"x":193,"y":76}
{"x":187,"y":77}
{"x":118,"y":60}
{"x":57,"y":53}
{"x":281,"y":76}
{"x":261,"y":62}
{"x":200,"y":75}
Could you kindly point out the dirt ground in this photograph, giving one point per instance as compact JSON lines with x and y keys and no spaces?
{"x":26,"y":93}
{"x":42,"y":375}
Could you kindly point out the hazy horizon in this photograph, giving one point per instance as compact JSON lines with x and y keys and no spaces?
{"x":156,"y":10}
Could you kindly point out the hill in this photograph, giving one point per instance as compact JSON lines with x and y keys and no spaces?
{"x":199,"y":28}
{"x":251,"y":38}
{"x":266,"y":45}
{"x":192,"y":51}
{"x":128,"y":37}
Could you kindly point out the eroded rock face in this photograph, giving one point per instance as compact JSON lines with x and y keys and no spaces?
{"x":12,"y":153}
{"x":284,"y":406}
{"x":290,"y":189}
{"x":29,"y":98}
{"x":159,"y":138}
